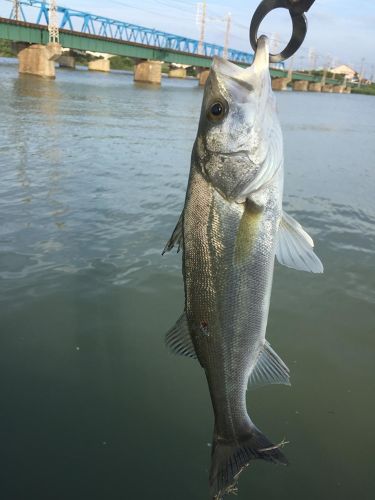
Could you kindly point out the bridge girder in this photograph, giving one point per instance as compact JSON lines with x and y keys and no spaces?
{"x":92,"y":24}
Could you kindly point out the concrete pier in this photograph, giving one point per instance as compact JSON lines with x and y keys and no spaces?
{"x":338,"y":89}
{"x":327,"y":88}
{"x":177,"y":72}
{"x":103,"y":65}
{"x":38,"y":60}
{"x":280,"y":83}
{"x":202,"y":77}
{"x":300,"y":85}
{"x":148,"y":72}
{"x":67,"y":61}
{"x":315,"y":87}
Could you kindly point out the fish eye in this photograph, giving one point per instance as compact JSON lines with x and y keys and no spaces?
{"x":216,"y":111}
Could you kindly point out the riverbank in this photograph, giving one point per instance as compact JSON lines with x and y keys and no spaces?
{"x":367,"y":90}
{"x":6,"y":48}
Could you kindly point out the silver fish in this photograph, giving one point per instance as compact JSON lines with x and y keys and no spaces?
{"x":230,"y":229}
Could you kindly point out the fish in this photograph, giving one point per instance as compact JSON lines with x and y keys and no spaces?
{"x":231,"y":228}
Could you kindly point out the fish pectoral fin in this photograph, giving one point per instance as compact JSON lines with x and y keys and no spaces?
{"x":178,"y":338}
{"x":176,"y":238}
{"x":269,"y":369}
{"x":295,"y":247}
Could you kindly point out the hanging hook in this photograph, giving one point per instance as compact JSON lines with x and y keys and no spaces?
{"x":296,"y":10}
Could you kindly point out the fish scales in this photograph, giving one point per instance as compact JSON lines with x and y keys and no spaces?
{"x":227,"y":293}
{"x":231,"y":228}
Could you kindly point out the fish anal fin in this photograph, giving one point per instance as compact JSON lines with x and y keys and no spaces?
{"x":177,"y":236}
{"x":269,"y":369}
{"x":295,"y":247}
{"x":178,"y":338}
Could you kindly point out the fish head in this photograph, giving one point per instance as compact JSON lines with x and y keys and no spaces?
{"x":239,"y":130}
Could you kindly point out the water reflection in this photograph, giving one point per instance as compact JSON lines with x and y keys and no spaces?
{"x":93,"y":176}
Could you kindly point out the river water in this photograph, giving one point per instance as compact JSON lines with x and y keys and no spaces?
{"x":93,"y":175}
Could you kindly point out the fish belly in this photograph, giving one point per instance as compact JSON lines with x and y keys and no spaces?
{"x":229,"y":253}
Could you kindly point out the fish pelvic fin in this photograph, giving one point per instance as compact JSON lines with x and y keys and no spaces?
{"x":295,"y":247}
{"x":229,"y":459}
{"x":177,"y":236}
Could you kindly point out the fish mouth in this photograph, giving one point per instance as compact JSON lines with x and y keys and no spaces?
{"x":231,"y":154}
{"x":262,"y":55}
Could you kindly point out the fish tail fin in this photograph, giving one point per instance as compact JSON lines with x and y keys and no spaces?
{"x":229,"y":459}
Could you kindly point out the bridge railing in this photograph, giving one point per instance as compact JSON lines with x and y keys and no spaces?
{"x":85,"y":22}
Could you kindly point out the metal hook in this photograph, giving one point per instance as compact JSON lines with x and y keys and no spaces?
{"x":296,"y":10}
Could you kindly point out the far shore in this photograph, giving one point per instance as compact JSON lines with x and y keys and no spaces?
{"x":126,"y":64}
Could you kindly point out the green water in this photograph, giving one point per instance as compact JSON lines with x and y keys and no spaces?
{"x":93,"y":407}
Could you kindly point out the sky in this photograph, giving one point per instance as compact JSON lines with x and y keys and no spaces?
{"x":339,"y":31}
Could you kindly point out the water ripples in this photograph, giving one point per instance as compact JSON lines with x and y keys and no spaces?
{"x":94,"y":180}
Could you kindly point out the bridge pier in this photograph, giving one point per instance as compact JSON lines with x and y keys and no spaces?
{"x":202,"y":76}
{"x":176,"y":72}
{"x":67,"y":61}
{"x":103,"y":65}
{"x":315,"y":87}
{"x":38,"y":60}
{"x":148,"y":72}
{"x":300,"y":85}
{"x":327,"y":88}
{"x":280,"y":83}
{"x":338,"y":89}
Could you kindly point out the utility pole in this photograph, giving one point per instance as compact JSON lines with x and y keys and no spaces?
{"x":326,"y":68}
{"x":360,"y":76}
{"x":333,"y":67}
{"x":301,"y":64}
{"x":16,"y":10}
{"x":227,"y":31}
{"x":290,"y":68}
{"x":312,"y":60}
{"x":53,"y":24}
{"x":275,"y":42}
{"x":202,"y":9}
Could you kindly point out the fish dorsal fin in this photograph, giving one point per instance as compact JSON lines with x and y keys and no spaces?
{"x":176,"y":238}
{"x":269,"y":369}
{"x":178,"y":338}
{"x":295,"y":247}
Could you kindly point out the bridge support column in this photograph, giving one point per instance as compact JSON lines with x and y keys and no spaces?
{"x":67,"y":61}
{"x":176,"y":72}
{"x":338,"y":89}
{"x":327,"y":88}
{"x":202,"y":76}
{"x":280,"y":83}
{"x":300,"y":85}
{"x":315,"y":87}
{"x":103,"y":65}
{"x":148,"y":72}
{"x":38,"y":60}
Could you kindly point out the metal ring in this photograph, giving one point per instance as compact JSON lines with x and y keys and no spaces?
{"x":299,"y":28}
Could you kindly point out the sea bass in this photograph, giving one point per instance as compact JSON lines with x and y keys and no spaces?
{"x":230,"y":229}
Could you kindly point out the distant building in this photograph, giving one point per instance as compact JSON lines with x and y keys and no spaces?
{"x":344,"y":70}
